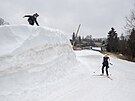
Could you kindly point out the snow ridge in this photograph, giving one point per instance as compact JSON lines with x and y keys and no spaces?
{"x":35,"y":49}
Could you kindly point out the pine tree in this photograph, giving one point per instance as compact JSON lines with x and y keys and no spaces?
{"x":132,"y":43}
{"x":122,"y":47}
{"x":73,"y":36}
{"x":112,"y":41}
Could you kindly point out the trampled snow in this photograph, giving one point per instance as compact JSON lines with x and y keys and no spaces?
{"x":38,"y":64}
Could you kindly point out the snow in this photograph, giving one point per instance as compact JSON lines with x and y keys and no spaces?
{"x":96,"y":48}
{"x":38,"y":64}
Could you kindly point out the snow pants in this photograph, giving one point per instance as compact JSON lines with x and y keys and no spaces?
{"x":105,"y":69}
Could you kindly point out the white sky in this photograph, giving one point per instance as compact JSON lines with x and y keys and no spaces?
{"x":96,"y":16}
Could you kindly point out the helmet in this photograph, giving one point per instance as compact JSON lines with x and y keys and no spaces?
{"x":106,"y":54}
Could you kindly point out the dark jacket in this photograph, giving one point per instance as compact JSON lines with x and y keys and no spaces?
{"x":32,"y":19}
{"x":105,"y":61}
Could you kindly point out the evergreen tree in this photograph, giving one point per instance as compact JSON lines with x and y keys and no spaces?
{"x":122,"y":47}
{"x":132,"y":43}
{"x":73,"y":36}
{"x":80,"y":40}
{"x":112,"y":41}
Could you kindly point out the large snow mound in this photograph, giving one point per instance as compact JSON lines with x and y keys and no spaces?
{"x":13,"y":37}
{"x":35,"y":49}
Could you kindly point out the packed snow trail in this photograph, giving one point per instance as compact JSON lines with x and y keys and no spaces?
{"x":83,"y":86}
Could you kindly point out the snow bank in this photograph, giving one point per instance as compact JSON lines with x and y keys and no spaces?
{"x":35,"y":49}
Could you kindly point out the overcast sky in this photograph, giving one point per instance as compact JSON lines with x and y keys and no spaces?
{"x":95,"y":16}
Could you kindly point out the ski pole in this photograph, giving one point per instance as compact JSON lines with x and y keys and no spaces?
{"x":111,"y":64}
{"x":96,"y":70}
{"x":109,"y":72}
{"x":109,"y":69}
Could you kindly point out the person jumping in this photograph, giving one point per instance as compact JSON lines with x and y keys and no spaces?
{"x":32,"y":19}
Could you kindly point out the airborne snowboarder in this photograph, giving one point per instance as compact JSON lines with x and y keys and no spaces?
{"x":32,"y":19}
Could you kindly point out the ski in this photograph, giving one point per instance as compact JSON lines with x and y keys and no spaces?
{"x":109,"y":77}
{"x":104,"y":76}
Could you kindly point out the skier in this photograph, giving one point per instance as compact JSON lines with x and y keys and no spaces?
{"x":105,"y":64}
{"x":32,"y":19}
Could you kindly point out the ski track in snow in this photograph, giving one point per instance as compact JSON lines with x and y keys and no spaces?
{"x":41,"y":66}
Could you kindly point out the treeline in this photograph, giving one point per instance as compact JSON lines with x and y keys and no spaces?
{"x":82,"y":41}
{"x":123,"y":44}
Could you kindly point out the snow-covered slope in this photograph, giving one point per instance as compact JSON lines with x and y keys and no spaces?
{"x":38,"y":64}
{"x":88,"y":86}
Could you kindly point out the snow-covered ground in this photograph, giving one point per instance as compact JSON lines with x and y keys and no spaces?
{"x":96,"y":48}
{"x":38,"y":64}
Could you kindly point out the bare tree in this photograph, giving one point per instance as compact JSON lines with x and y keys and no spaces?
{"x":130,"y":21}
{"x":130,"y":28}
